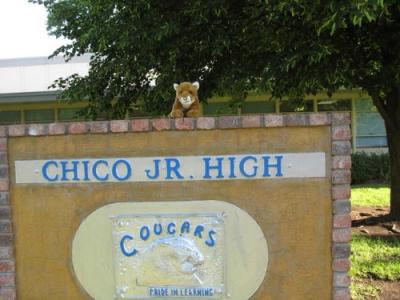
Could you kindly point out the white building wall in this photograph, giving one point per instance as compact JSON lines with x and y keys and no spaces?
{"x":37,"y":74}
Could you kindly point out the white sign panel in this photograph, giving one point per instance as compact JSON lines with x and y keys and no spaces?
{"x":172,"y":168}
{"x":169,"y":256}
{"x":188,"y":250}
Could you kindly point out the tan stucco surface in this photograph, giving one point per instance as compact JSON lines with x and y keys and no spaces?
{"x":294,"y":214}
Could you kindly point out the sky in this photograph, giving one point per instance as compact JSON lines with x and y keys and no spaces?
{"x":23,"y":30}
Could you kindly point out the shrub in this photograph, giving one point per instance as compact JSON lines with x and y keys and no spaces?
{"x":370,"y":167}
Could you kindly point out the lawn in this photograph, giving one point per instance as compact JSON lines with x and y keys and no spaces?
{"x":372,"y":258}
{"x":370,"y":195}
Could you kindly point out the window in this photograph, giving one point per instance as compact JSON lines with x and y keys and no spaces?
{"x":254,"y":107}
{"x":219,"y":108}
{"x":334,"y":105}
{"x":69,"y":114}
{"x":39,"y":116}
{"x":10,"y":117}
{"x":296,"y":105}
{"x":370,"y":126}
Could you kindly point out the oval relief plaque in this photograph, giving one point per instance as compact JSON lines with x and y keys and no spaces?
{"x":162,"y":250}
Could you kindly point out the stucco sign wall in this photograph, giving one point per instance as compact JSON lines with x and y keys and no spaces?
{"x":252,"y":207}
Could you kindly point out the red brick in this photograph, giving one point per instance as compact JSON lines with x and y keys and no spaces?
{"x":77,"y":128}
{"x":205,"y":123}
{"x":341,"y":279}
{"x":341,"y":118}
{"x":8,"y":293}
{"x":341,"y":264}
{"x":119,"y":126}
{"x":184,"y":123}
{"x":341,"y":133}
{"x":341,"y":148}
{"x":273,"y":120}
{"x":4,"y":212}
{"x":341,"y":207}
{"x":57,"y":128}
{"x":341,"y":250}
{"x":4,"y":185}
{"x":161,"y":124}
{"x":6,"y":252}
{"x":4,"y":171}
{"x":6,"y":240}
{"x":342,"y":235}
{"x":318,"y":119}
{"x":341,"y":162}
{"x":341,"y":176}
{"x":341,"y":192}
{"x":226,"y":122}
{"x":3,"y":158}
{"x":4,"y":198}
{"x":296,"y":119}
{"x":16,"y":130}
{"x":37,"y":129}
{"x":251,"y":121}
{"x":3,"y":144}
{"x":342,"y":221}
{"x":5,"y":226}
{"x":341,"y":294}
{"x":3,"y":131}
{"x":98,"y":127}
{"x":7,"y":279}
{"x":7,"y":266}
{"x":140,"y":125}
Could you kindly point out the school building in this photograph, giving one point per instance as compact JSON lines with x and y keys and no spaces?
{"x":25,"y":97}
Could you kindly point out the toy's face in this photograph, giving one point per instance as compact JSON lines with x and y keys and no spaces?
{"x":186,"y":93}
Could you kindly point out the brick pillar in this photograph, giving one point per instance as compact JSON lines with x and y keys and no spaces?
{"x":7,"y":260}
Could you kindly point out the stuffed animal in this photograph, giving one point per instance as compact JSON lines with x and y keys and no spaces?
{"x":186,"y":101}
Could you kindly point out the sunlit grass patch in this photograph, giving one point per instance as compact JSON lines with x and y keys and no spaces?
{"x":361,"y":289}
{"x":376,"y":258}
{"x":370,"y":195}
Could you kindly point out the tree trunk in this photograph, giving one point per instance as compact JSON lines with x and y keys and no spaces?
{"x":389,"y":109}
{"x":393,"y":137}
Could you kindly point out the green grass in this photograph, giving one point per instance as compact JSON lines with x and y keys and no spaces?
{"x":370,"y":195}
{"x":373,"y":258}
{"x":360,"y":290}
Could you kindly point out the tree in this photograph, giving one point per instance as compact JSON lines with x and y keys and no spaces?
{"x":288,"y":47}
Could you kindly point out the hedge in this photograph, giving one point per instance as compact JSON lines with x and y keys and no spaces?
{"x":370,"y":168}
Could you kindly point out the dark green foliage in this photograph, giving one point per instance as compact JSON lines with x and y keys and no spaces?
{"x":288,"y":47}
{"x":370,"y":168}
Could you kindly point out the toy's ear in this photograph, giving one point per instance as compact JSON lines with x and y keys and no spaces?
{"x":176,"y":86}
{"x":196,"y":84}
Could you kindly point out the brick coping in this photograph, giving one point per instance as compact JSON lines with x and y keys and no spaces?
{"x":340,"y":175}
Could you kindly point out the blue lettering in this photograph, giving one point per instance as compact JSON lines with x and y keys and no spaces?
{"x":278,"y":166}
{"x":242,"y":166}
{"x":144,"y":233}
{"x":173,"y":166}
{"x":66,"y":170}
{"x":156,"y":170}
{"x":157,"y":229}
{"x":211,"y":241}
{"x":45,"y":171}
{"x":232,"y":167}
{"x":185,"y":227}
{"x":85,"y":170}
{"x":171,"y":228}
{"x":122,"y":246}
{"x":199,"y":229}
{"x":128,"y":171}
{"x":208,"y":167}
{"x":94,"y":170}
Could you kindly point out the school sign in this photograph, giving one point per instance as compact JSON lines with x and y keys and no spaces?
{"x":252,"y":207}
